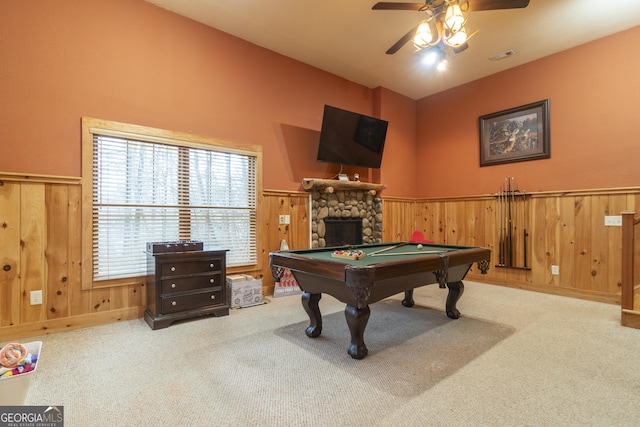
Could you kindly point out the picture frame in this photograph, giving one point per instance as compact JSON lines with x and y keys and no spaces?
{"x":515,"y":135}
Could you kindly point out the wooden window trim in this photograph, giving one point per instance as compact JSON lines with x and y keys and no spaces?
{"x":123,"y":130}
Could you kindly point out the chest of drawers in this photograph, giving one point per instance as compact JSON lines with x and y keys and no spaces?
{"x":183,"y":285}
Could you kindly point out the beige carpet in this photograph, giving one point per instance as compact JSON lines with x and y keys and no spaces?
{"x":514,"y":358}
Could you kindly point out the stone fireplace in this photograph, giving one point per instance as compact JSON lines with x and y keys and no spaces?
{"x":336,"y":200}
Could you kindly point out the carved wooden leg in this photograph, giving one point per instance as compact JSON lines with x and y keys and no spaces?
{"x":408,"y":298}
{"x":456,"y":289}
{"x":310,"y":304}
{"x":357,"y":319}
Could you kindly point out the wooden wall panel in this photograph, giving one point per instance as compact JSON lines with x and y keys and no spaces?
{"x":568,"y":238}
{"x":398,"y":219}
{"x":617,"y":204}
{"x":79,"y":300}
{"x":56,"y":251}
{"x":583,"y":252}
{"x":10,"y":254}
{"x":271,"y":233}
{"x":538,"y":242}
{"x":599,"y":253}
{"x":566,"y":229}
{"x":433,"y":221}
{"x":40,"y":226}
{"x":32,"y":242}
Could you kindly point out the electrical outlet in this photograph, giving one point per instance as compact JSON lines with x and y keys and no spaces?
{"x":35,"y":297}
{"x":284,"y":219}
{"x":613,"y":220}
{"x":555,"y":270}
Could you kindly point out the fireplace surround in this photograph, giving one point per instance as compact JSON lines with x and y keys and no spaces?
{"x":344,"y":200}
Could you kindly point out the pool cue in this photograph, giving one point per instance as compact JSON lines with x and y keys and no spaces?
{"x":499,"y":224}
{"x":510,"y":247}
{"x":505,"y":200}
{"x":506,"y":221}
{"x":412,"y":253}
{"x":387,"y":249}
{"x":524,"y":202}
{"x":503,"y":229}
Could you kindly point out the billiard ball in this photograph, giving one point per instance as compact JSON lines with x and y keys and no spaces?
{"x":419,"y":246}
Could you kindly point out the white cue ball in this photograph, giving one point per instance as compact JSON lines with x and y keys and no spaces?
{"x":419,"y":246}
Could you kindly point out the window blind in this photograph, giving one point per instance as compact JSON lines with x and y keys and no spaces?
{"x":150,"y":192}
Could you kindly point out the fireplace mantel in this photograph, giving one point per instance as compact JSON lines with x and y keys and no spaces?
{"x":329,"y":185}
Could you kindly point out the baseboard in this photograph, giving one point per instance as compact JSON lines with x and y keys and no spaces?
{"x":554,"y":290}
{"x":18,"y":332}
{"x":630,"y":318}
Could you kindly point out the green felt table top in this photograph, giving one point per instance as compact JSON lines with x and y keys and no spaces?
{"x":382,"y":252}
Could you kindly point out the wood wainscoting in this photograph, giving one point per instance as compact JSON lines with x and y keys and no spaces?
{"x":40,"y":225}
{"x":566,"y":229}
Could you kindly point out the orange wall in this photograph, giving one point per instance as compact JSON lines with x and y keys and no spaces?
{"x":593,"y":92}
{"x":130,"y":61}
{"x":133,"y":62}
{"x":398,"y":167}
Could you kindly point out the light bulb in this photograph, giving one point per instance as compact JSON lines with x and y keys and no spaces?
{"x":423,"y":35}
{"x":454,"y":20}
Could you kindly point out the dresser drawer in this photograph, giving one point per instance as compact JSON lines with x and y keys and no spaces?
{"x":180,"y":268}
{"x":177,"y":303}
{"x":182,"y":284}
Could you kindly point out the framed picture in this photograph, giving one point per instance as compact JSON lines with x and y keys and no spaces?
{"x":515,"y":135}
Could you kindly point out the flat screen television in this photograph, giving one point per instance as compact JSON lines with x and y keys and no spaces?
{"x":349,"y":138}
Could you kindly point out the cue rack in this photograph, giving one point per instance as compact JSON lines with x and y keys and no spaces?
{"x":513,"y":222}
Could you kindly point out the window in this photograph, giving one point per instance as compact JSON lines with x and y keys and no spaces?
{"x":152,"y":186}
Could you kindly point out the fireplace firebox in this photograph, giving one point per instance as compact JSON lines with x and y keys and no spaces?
{"x":343,"y":231}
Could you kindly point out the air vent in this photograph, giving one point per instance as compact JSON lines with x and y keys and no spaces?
{"x":502,"y":55}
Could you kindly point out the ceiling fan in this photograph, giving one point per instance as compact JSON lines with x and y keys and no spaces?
{"x":445,"y":21}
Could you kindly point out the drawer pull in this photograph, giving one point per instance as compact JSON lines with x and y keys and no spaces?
{"x":213,"y":297}
{"x":212,"y":265}
{"x":211,"y":280}
{"x":173,"y":269}
{"x":173,"y":303}
{"x":173,"y":285}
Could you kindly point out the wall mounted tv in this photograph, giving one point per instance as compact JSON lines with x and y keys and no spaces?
{"x":349,"y":138}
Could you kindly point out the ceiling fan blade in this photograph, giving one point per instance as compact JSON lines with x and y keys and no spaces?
{"x":384,"y":5}
{"x":396,"y":47}
{"x":476,"y":5}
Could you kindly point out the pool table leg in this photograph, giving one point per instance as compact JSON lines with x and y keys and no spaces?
{"x":456,"y":289}
{"x":408,"y":298}
{"x":310,"y":302}
{"x":357,"y":319}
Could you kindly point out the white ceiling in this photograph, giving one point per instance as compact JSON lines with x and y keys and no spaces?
{"x":348,"y":39}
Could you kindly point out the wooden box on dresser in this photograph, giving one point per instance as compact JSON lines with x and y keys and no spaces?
{"x":183,"y":285}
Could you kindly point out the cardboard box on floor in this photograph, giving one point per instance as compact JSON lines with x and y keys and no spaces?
{"x":244,"y":290}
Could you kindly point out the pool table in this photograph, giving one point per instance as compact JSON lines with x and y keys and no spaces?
{"x":385,"y":269}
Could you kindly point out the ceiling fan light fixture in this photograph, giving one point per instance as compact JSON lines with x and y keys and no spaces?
{"x":453,"y":19}
{"x":446,"y":21}
{"x":456,"y":39}
{"x":424,"y":36}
